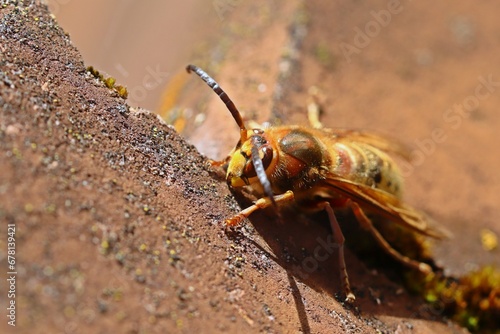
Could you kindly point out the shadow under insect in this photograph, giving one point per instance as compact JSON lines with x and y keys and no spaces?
{"x":305,"y":247}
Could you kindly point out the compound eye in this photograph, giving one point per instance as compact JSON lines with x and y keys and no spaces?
{"x":268,"y":156}
{"x":266,"y":159}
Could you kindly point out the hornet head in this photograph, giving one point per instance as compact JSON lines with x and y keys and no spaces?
{"x":252,"y":155}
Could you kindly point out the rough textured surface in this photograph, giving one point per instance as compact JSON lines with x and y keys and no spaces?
{"x":118,"y":219}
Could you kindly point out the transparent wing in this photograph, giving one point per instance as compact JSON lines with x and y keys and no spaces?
{"x":387,"y":205}
{"x":381,"y":142}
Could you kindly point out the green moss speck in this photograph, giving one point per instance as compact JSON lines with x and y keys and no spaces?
{"x":110,"y":82}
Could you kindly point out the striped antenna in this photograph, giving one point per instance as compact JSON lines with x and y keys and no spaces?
{"x":223,"y":96}
{"x":261,"y":172}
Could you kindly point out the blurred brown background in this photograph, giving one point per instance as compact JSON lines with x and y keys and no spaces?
{"x":130,"y":40}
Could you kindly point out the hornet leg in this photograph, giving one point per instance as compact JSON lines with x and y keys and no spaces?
{"x":367,"y":224}
{"x":340,"y":240}
{"x":261,"y":203}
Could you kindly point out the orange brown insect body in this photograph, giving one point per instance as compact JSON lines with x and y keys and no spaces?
{"x":321,"y":169}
